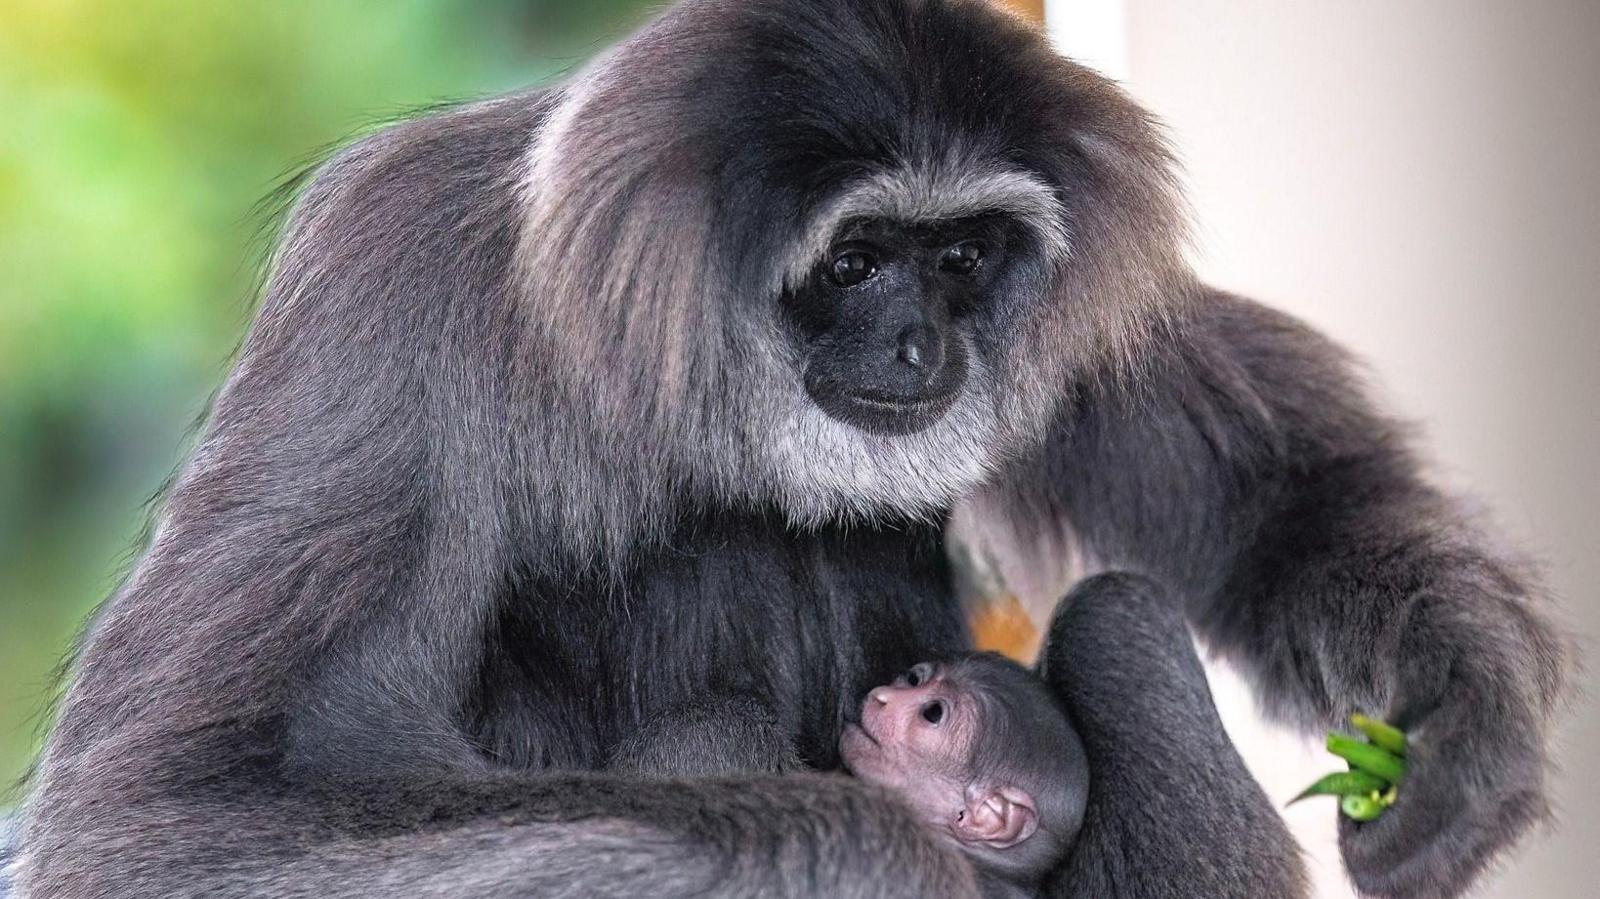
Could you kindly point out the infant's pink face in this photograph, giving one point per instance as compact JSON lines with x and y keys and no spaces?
{"x":916,"y":737}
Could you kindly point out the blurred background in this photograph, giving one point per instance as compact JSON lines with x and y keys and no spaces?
{"x":139,"y":139}
{"x":1421,"y":180}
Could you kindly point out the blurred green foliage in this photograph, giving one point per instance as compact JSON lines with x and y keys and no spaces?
{"x":136,"y":137}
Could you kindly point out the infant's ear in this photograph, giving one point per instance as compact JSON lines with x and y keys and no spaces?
{"x":998,"y":817}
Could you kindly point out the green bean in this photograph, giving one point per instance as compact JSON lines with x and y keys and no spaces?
{"x":1368,"y":758}
{"x":1361,"y":808}
{"x":1382,"y":735}
{"x":1344,"y":783}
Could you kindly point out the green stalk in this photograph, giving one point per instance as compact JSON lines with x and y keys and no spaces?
{"x":1344,"y":783}
{"x":1382,"y":735}
{"x":1368,"y":758}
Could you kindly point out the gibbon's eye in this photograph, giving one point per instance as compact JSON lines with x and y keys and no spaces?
{"x":933,"y":712}
{"x":963,"y":258}
{"x":917,"y":676}
{"x":852,"y":267}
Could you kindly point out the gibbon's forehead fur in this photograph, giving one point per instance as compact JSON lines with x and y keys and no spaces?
{"x":694,"y":173}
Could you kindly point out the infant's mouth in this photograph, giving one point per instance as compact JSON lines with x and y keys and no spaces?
{"x":859,"y":726}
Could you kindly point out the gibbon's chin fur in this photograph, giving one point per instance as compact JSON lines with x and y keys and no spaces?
{"x":823,"y":467}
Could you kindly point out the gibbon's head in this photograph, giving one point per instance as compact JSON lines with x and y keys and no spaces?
{"x":845,"y":256}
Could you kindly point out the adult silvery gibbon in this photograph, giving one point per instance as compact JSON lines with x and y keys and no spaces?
{"x":641,"y":400}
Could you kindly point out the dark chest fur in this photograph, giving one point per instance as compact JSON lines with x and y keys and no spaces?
{"x":805,"y":621}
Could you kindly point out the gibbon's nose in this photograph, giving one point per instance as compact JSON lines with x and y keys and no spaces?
{"x":899,"y":695}
{"x":891,"y":711}
{"x":919,"y":348}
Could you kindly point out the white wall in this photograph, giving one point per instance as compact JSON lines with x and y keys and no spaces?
{"x":1420,"y":179}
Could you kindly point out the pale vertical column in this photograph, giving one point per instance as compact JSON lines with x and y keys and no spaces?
{"x":1092,"y":32}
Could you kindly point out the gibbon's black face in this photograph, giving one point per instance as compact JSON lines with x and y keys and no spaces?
{"x":885,"y":320}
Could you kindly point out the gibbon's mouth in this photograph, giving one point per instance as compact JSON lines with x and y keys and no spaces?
{"x":882,"y":413}
{"x":860,"y":728}
{"x":858,"y":747}
{"x":891,"y":403}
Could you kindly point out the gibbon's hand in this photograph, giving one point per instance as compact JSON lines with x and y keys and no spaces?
{"x":1473,"y":786}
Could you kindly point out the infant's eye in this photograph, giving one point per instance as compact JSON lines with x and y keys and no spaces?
{"x":918,"y":675}
{"x":933,"y":712}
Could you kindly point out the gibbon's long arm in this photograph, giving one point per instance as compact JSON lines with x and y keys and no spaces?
{"x":1248,"y":471}
{"x":1172,"y":809}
